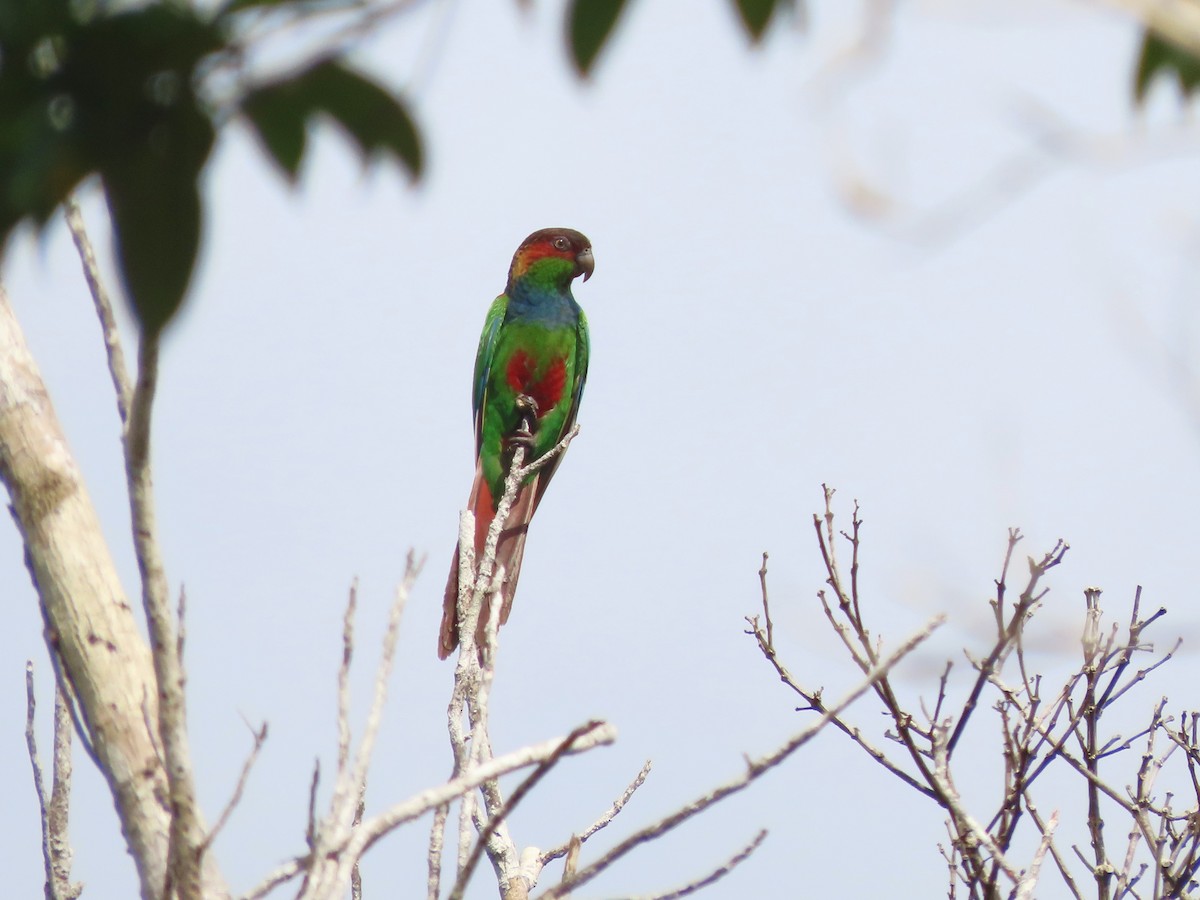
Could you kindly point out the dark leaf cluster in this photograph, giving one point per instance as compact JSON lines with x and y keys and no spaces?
{"x":372,"y":117}
{"x":86,"y":91}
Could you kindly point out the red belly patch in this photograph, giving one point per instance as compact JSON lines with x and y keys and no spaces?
{"x":546,"y":387}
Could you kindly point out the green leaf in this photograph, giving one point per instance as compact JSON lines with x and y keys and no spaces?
{"x":80,"y":95}
{"x":590,"y":24}
{"x":375,"y":120}
{"x":154,"y":199}
{"x":280,"y":118}
{"x":1160,"y":57}
{"x":756,"y":15}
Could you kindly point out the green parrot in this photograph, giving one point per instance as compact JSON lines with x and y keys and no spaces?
{"x":531,"y":365}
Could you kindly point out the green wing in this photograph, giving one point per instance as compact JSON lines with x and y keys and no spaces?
{"x":582,"y":349}
{"x":583,"y":345}
{"x":484,"y":357}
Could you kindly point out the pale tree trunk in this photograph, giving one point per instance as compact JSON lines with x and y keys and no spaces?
{"x":103,"y":662}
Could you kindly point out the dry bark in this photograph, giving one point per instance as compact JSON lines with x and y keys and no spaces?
{"x":103,"y":662}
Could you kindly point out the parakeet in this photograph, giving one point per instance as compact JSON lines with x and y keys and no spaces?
{"x":532,"y":362}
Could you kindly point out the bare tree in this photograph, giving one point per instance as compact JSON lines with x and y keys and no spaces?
{"x":1041,"y":729}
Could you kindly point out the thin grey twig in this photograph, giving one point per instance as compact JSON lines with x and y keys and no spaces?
{"x":281,"y":875}
{"x":602,"y":822}
{"x":186,"y":833}
{"x":343,"y":679}
{"x":762,"y":580}
{"x":104,"y":309}
{"x":60,"y":801}
{"x":39,"y":782}
{"x":754,"y":770}
{"x":260,"y":737}
{"x":330,"y":862}
{"x":54,"y":808}
{"x":549,"y":456}
{"x":1029,"y":877}
{"x":1025,"y":603}
{"x":372,"y":829}
{"x":716,"y":874}
{"x":310,"y":829}
{"x":816,"y":704}
{"x":1059,"y":862}
{"x":437,"y":840}
{"x":355,"y":873}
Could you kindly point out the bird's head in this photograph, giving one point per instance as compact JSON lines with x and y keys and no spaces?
{"x":554,"y":254}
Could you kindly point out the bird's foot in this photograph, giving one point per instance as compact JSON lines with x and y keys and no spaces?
{"x":528,"y":408}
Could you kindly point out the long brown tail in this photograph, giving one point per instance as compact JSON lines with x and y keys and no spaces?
{"x":510,"y":549}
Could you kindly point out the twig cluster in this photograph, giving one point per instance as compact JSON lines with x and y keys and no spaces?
{"x":484,"y":831}
{"x":1040,"y":729}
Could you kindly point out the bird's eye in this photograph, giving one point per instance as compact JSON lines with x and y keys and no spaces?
{"x":561,"y":243}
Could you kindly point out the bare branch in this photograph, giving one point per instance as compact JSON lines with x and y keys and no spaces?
{"x":762,"y":580}
{"x":104,"y":309}
{"x":366,"y":746}
{"x":343,"y":679}
{"x":716,"y":874}
{"x":1048,"y":837}
{"x":437,"y":840}
{"x":39,"y":782}
{"x":60,"y":802}
{"x":1029,"y":879}
{"x":357,"y":841}
{"x":546,"y":458}
{"x":464,"y":875}
{"x":816,"y":703}
{"x":754,"y":770}
{"x":281,"y":875}
{"x":55,"y":808}
{"x":968,"y":830}
{"x":355,"y":874}
{"x":571,"y":863}
{"x":186,"y":833}
{"x":329,"y":869}
{"x":1028,"y":600}
{"x":260,"y":737}
{"x":613,"y":811}
{"x":310,"y":828}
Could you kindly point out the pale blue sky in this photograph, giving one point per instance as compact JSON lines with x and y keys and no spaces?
{"x":752,"y":337}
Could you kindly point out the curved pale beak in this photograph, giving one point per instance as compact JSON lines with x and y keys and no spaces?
{"x":585,"y":262}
